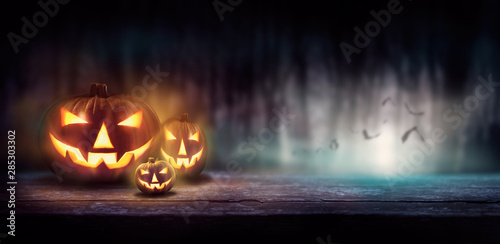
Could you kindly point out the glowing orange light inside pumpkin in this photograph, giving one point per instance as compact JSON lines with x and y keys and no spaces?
{"x":134,"y":121}
{"x":196,"y":157}
{"x":170,"y":136}
{"x":195,"y":137}
{"x":102,"y":140}
{"x":154,"y":180}
{"x":182,"y":149}
{"x":94,"y":159}
{"x":154,"y":185}
{"x":144,"y":172}
{"x":67,"y":118}
{"x":183,"y":161}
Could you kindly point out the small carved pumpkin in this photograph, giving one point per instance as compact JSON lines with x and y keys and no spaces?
{"x":184,"y":145}
{"x":155,"y":177}
{"x":98,"y":137}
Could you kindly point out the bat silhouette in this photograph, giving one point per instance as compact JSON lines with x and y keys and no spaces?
{"x":389,"y":99}
{"x":368,"y":137}
{"x":334,"y":145}
{"x":411,"y":112}
{"x":408,"y":133}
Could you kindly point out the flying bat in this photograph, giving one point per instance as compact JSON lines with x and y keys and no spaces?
{"x":389,"y":99}
{"x":368,"y":137}
{"x":411,"y":112}
{"x":407,"y":134}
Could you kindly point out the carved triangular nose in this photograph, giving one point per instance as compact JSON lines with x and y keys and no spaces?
{"x":102,"y":140}
{"x":182,"y":150}
{"x":154,"y":180}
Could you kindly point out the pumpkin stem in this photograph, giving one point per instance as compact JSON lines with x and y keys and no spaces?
{"x":151,"y":160}
{"x":184,"y":117}
{"x":99,"y":90}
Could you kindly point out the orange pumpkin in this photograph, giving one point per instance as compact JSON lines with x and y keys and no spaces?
{"x":154,"y":177}
{"x":97,"y":136}
{"x":184,"y":145}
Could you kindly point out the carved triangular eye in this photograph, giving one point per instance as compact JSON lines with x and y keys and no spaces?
{"x":163,"y":171}
{"x":195,"y":136}
{"x":67,"y":118}
{"x":144,"y":172}
{"x":170,"y":136}
{"x":133,"y":121}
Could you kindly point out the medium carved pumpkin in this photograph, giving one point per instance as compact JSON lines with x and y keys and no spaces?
{"x":184,"y":145}
{"x":98,"y":137}
{"x":155,"y":177}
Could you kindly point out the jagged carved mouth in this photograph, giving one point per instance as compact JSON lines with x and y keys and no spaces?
{"x":95,"y":159}
{"x":152,"y":186}
{"x":187,"y":162}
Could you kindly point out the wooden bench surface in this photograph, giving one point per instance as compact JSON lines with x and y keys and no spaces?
{"x":280,"y":207}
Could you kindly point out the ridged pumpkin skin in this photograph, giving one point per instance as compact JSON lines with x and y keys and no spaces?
{"x":98,"y":137}
{"x":184,"y":146}
{"x":155,"y":177}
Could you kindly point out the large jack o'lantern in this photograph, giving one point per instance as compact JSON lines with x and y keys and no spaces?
{"x":155,"y":177}
{"x":184,"y":145}
{"x":98,"y":136}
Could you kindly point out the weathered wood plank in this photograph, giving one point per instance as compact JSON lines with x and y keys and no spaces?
{"x":248,"y":208}
{"x":264,"y":208}
{"x":269,"y":188}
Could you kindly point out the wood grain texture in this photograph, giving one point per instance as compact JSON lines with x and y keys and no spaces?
{"x":279,"y":207}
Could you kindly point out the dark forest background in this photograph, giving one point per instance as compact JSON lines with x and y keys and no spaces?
{"x":229,"y":76}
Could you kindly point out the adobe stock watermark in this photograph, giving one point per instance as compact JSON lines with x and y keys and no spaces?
{"x":29,"y":30}
{"x":149,"y":82}
{"x":372,"y":29}
{"x":407,"y":164}
{"x":221,"y":7}
{"x":255,"y":143}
